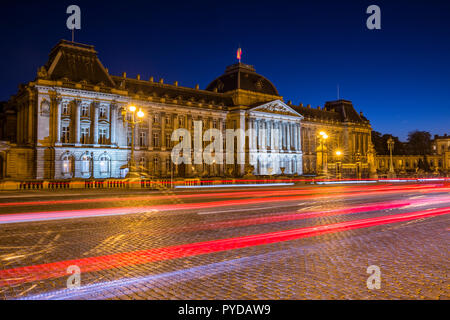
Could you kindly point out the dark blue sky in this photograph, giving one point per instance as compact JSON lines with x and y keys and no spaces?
{"x":398,"y":76}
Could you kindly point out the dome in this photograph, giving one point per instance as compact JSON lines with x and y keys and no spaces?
{"x":242,"y":76}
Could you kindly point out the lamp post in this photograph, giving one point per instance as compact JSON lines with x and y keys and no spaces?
{"x":338,"y":164}
{"x":323,"y":138}
{"x":390,"y":144}
{"x":135,"y":118}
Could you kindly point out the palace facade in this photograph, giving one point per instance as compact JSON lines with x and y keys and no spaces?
{"x":67,"y":124}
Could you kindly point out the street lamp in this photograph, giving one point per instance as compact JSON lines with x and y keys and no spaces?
{"x":134,"y":119}
{"x":338,"y":164}
{"x":390,"y":144}
{"x":323,"y":138}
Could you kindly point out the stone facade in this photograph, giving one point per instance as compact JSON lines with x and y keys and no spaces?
{"x":67,"y":124}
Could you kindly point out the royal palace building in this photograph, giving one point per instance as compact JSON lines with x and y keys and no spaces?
{"x":68,"y":123}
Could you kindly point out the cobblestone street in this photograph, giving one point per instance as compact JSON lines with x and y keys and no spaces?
{"x":261,"y":243}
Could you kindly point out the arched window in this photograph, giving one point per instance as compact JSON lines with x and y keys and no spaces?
{"x":66,"y":164}
{"x":105,"y":166}
{"x":85,"y":165}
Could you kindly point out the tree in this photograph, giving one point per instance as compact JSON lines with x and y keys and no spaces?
{"x":419,"y":142}
{"x":378,"y":143}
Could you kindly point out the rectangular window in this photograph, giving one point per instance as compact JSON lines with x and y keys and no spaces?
{"x":65,"y":137}
{"x":85,"y":135}
{"x":181,"y":122}
{"x":215,"y":124}
{"x":129,"y":136}
{"x":102,"y":112}
{"x":102,"y":136}
{"x":167,"y":120}
{"x":85,"y":110}
{"x":155,"y":118}
{"x":65,"y":109}
{"x":156,"y":140}
{"x":168,"y":138}
{"x":142,"y":139}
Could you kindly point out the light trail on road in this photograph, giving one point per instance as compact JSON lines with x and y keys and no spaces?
{"x":32,"y":273}
{"x":87,"y":213}
{"x":234,"y":194}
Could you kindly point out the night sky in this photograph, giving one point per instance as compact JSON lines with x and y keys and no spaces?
{"x":398,"y":76}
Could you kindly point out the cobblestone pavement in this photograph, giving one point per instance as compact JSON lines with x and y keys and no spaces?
{"x":412,"y":255}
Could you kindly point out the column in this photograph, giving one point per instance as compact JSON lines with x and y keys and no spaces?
{"x":272,"y":135}
{"x":241,"y":152}
{"x":150,"y":130}
{"x":221,"y":163}
{"x":280,"y":136}
{"x":113,"y":123}
{"x":250,"y":138}
{"x":289,"y":138}
{"x":163,"y":129}
{"x":95,"y":105}
{"x":299,"y":141}
{"x":58,"y":121}
{"x":30,"y":120}
{"x":77,"y":105}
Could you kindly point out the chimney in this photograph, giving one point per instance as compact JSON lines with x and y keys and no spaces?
{"x":151,"y":79}
{"x":197,"y":87}
{"x":124,"y":75}
{"x":138,"y":77}
{"x":161,"y":80}
{"x":175,"y":83}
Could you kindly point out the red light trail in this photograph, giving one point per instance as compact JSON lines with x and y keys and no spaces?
{"x":86,"y":213}
{"x":13,"y":276}
{"x":236,"y":194}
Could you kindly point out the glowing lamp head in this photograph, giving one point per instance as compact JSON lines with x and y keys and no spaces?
{"x":132,"y":108}
{"x":322,"y":133}
{"x":325,"y":136}
{"x":338,"y":153}
{"x":140,"y":114}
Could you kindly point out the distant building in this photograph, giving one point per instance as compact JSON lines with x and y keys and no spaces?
{"x":438,"y":161}
{"x":67,"y":124}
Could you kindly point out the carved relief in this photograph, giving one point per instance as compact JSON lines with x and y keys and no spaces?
{"x":45,"y":107}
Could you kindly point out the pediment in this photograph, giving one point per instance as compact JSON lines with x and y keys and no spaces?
{"x":276,"y":107}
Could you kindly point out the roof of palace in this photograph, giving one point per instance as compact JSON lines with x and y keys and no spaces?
{"x":75,"y":63}
{"x":244,"y":77}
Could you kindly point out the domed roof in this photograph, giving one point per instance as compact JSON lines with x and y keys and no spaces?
{"x":242,"y":76}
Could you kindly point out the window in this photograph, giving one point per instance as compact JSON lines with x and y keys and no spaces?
{"x":85,"y":135}
{"x":215,"y":124}
{"x":85,"y":165}
{"x":85,"y":110}
{"x":102,"y":112}
{"x":155,"y":164}
{"x":104,"y":165}
{"x":168,"y":168}
{"x":66,"y":164}
{"x":167,"y":120}
{"x":65,"y":109}
{"x":102,"y":136}
{"x":155,"y":118}
{"x":180,"y":122}
{"x":129,"y":137}
{"x":65,"y":137}
{"x":156,"y":140}
{"x":142,"y":163}
{"x":142,"y":139}
{"x":168,"y":140}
